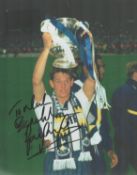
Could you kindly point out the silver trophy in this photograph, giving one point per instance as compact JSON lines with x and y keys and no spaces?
{"x":64,"y":50}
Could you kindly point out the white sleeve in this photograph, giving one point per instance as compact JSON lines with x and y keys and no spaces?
{"x":43,"y":112}
{"x":79,"y":83}
{"x":85,"y":103}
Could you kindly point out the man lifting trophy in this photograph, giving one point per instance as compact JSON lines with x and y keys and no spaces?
{"x":63,"y":114}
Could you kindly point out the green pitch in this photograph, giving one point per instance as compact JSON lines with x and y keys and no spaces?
{"x":16,"y":93}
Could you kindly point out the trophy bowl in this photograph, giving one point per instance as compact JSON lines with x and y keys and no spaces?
{"x":64,"y":49}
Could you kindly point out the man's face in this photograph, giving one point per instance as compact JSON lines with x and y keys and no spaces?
{"x":62,"y":83}
{"x":100,"y":69}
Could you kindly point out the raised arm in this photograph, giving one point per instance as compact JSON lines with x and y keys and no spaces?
{"x":39,"y":69}
{"x":89,"y":84}
{"x":89,"y":87}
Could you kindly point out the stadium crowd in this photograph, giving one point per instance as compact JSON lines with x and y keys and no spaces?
{"x":18,"y":41}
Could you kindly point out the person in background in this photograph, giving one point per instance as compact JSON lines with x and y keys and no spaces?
{"x":124,"y":115}
{"x":106,"y":145}
{"x":62,"y":117}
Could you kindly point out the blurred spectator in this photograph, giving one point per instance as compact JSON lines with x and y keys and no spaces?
{"x":106,"y":41}
{"x":124,"y":115}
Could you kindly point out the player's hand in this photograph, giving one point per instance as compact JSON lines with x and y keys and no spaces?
{"x":47,"y":143}
{"x":114,"y":158}
{"x":47,"y":40}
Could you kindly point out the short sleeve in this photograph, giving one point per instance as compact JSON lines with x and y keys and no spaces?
{"x":85,"y":103}
{"x":43,"y":111}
